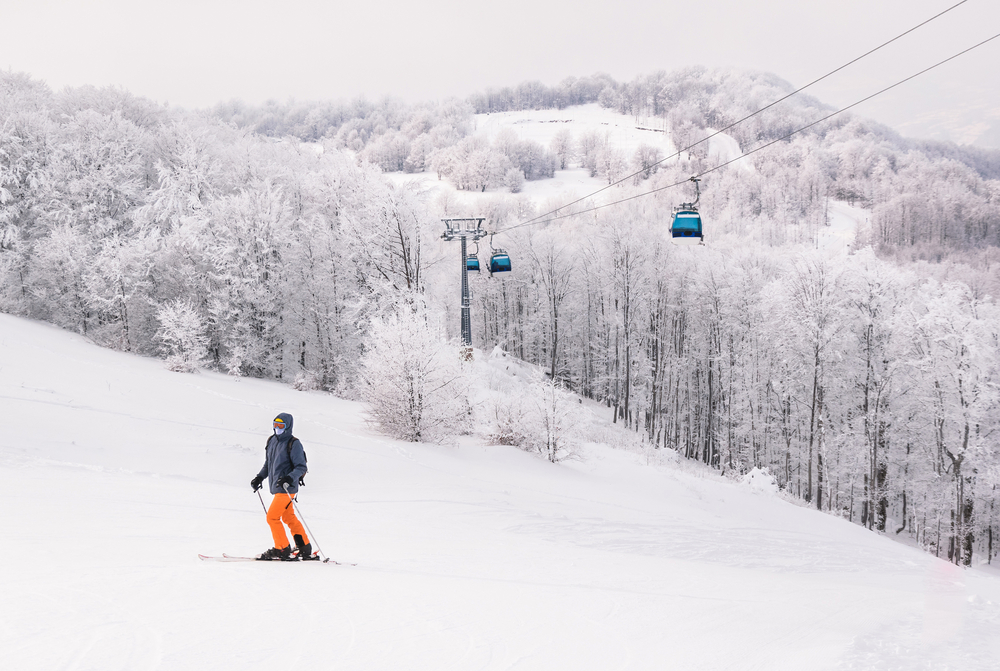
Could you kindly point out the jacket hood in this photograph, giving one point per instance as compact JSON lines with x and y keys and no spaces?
{"x":287,"y":419}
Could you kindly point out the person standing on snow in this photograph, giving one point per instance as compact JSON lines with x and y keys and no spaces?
{"x":284,"y":465}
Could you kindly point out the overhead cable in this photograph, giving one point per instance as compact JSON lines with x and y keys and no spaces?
{"x":747,"y":117}
{"x":756,"y":149}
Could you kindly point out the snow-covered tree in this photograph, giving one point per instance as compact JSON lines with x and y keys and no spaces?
{"x":182,"y":336}
{"x":562,"y":146}
{"x":413,"y":379}
{"x":554,"y":429}
{"x":645,"y":160}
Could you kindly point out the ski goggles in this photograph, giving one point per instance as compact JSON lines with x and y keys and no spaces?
{"x":278,"y":424}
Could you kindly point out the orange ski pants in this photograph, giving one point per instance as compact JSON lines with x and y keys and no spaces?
{"x":282,"y":510}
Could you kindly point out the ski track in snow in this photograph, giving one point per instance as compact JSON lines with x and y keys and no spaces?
{"x":119,"y":472}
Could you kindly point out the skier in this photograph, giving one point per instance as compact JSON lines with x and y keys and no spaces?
{"x":284,"y":465}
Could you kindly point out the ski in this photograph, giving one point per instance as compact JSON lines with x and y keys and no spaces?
{"x":233,"y":558}
{"x":315,"y":558}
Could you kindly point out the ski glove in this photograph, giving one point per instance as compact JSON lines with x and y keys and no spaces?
{"x":255,"y":483}
{"x":284,"y":480}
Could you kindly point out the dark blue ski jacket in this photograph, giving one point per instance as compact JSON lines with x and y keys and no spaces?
{"x":277,"y":462}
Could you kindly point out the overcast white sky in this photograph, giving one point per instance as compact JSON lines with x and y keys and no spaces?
{"x":196,"y":53}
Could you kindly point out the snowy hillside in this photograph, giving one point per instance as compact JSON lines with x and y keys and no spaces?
{"x":843,"y":222}
{"x":626,"y":133}
{"x":623,"y":133}
{"x":117,"y":473}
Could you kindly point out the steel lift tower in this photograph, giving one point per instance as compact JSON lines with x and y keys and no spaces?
{"x":464,"y":230}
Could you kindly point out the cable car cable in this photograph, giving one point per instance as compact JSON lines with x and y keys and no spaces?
{"x":751,"y":115}
{"x":756,"y":149}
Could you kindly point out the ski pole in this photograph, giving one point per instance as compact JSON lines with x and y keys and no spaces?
{"x":261,"y":501}
{"x":298,"y":511}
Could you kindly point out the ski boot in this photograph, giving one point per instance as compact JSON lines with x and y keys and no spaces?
{"x":274,"y":554}
{"x":304,"y":550}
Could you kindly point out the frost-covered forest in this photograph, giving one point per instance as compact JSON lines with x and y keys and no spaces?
{"x":266,"y":241}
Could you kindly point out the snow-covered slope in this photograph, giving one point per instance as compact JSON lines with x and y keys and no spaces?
{"x":843,"y":220}
{"x":625,"y":134}
{"x":541,"y":126}
{"x":116,"y":473}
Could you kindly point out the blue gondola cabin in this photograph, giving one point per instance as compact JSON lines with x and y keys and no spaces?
{"x":686,"y":228}
{"x":500,"y":263}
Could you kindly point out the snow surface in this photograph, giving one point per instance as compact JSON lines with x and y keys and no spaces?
{"x":565,"y":186}
{"x":117,"y":472}
{"x":723,"y":148}
{"x":624,"y":133}
{"x":843,"y":222}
